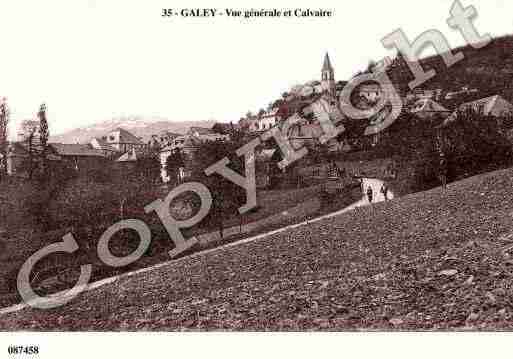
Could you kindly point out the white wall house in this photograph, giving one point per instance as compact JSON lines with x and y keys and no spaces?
{"x":264,"y":122}
{"x":123,"y":141}
{"x":188,"y":144}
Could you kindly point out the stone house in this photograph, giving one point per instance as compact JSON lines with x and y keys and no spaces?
{"x":124,"y":141}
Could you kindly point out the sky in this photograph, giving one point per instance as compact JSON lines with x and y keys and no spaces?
{"x":93,"y":60}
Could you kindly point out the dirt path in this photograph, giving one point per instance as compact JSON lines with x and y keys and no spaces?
{"x":377,"y":196}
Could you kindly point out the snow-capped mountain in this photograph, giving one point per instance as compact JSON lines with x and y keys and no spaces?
{"x":139,"y":126}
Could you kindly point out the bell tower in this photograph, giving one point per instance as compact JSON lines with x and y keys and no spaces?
{"x":328,"y":76}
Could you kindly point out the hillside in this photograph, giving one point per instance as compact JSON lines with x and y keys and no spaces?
{"x":430,"y":260}
{"x":489,"y":69}
{"x":138,"y":126}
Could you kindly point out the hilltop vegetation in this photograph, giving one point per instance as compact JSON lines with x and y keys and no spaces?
{"x":489,"y":69}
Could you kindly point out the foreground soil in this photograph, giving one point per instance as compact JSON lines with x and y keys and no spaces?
{"x":428,"y":261}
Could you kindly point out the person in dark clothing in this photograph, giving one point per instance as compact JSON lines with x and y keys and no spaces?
{"x":443,"y":171}
{"x":384,"y":190}
{"x":369,"y":194}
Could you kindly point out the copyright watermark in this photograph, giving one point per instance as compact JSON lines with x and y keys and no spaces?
{"x":328,"y":117}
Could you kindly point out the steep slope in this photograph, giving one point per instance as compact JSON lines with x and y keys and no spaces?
{"x":489,"y":69}
{"x":432,"y":260}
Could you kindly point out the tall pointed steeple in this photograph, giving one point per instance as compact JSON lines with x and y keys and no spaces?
{"x":327,"y":63}
{"x":328,"y":76}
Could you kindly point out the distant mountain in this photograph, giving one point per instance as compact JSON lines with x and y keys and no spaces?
{"x":138,"y":126}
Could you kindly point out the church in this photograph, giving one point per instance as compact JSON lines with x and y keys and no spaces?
{"x":328,"y":76}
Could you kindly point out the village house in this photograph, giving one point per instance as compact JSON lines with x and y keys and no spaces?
{"x":163,"y":138}
{"x":494,"y":106}
{"x":429,"y":109}
{"x":298,"y":98}
{"x":124,"y":141}
{"x":225,"y":128}
{"x":130,"y":156}
{"x":83,"y":158}
{"x":206,"y":134}
{"x":264,"y":121}
{"x":464,"y":91}
{"x":422,"y":94}
{"x":188,"y":144}
{"x":125,"y":165}
{"x":117,"y":146}
{"x":369,"y":93}
{"x":102,"y":145}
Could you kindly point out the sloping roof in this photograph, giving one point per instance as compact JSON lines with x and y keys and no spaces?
{"x":190,"y":142}
{"x":130,"y":156}
{"x":127,"y":137}
{"x":493,"y":105}
{"x":327,"y":63}
{"x":200,"y":131}
{"x":20,"y":149}
{"x":490,"y":106}
{"x":427,"y":106}
{"x":69,"y":149}
{"x":168,"y":134}
{"x":104,"y":145}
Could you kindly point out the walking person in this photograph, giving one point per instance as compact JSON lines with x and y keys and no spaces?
{"x":443,"y":171}
{"x":369,"y":194}
{"x":384,"y":190}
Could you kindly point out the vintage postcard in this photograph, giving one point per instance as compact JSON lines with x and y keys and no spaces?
{"x":275,"y":166}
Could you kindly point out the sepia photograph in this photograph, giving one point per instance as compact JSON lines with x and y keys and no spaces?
{"x":287,"y":175}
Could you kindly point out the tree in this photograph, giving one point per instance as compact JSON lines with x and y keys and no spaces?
{"x":227,"y":197}
{"x":29,"y":129}
{"x":43,"y":137}
{"x":4,"y":122}
{"x":174,"y":162}
{"x":473,"y":143}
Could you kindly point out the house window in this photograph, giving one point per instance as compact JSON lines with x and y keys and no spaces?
{"x":112,"y":138}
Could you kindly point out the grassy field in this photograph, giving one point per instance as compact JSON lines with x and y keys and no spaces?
{"x":431,"y":260}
